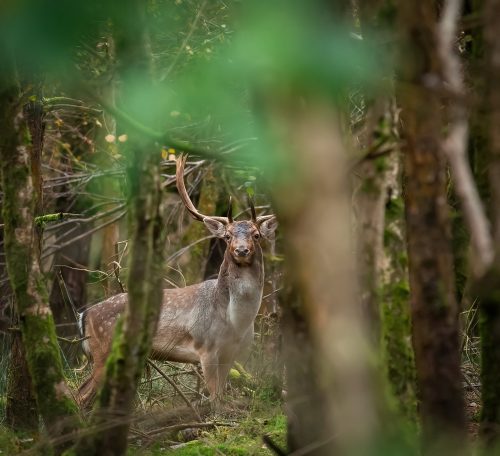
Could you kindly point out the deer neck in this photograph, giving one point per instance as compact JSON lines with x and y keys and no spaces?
{"x":243,"y":285}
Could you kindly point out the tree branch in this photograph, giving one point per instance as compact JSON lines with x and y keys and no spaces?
{"x":455,"y":144}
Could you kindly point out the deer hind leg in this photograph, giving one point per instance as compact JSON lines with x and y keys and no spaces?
{"x":87,"y":391}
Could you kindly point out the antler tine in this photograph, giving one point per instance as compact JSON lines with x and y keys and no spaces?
{"x":181,"y":187}
{"x":252,"y":208}
{"x":230,"y":210}
{"x":263,"y":218}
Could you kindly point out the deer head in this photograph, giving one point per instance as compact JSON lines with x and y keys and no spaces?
{"x":242,"y":237}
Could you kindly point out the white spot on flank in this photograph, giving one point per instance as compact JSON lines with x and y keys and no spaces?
{"x":101,"y":329}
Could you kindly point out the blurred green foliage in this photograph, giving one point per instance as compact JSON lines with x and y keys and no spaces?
{"x":222,"y":76}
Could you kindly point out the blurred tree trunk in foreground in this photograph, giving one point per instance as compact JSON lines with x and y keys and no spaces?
{"x":21,"y":183}
{"x":434,"y":307}
{"x":134,"y":332}
{"x":332,"y":402}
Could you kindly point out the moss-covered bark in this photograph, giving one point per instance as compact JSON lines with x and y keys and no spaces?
{"x":21,"y":412}
{"x":132,"y":341}
{"x":397,"y":350}
{"x":37,"y":327}
{"x":194,"y":270}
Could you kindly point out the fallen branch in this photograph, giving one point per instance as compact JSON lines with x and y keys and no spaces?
{"x":180,"y":427}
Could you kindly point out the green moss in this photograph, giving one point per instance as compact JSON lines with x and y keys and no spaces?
{"x":243,"y":439}
{"x":381,"y":164}
{"x":9,"y":442}
{"x":44,"y":360}
{"x":398,"y":352}
{"x":396,"y":323}
{"x":370,"y":185}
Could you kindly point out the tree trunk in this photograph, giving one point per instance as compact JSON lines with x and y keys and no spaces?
{"x":20,"y":186}
{"x":21,"y":412}
{"x":134,"y":332}
{"x":397,"y":349}
{"x":488,"y":286}
{"x":332,"y":401}
{"x":434,"y":307}
{"x":370,"y":199}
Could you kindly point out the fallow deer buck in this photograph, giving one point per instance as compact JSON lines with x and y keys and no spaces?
{"x":210,"y":322}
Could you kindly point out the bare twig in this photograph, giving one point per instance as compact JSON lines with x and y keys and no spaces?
{"x":185,"y":41}
{"x":455,"y":144}
{"x":72,"y":341}
{"x":176,"y":388}
{"x":82,"y":236}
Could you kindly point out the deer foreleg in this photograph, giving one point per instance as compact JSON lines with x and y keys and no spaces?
{"x":215,"y":370}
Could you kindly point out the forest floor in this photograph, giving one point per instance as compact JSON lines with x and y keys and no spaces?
{"x":250,"y":412}
{"x":241,"y":433}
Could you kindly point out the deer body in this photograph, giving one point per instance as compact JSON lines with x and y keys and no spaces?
{"x":209,"y":322}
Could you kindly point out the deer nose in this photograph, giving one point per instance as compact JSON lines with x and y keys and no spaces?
{"x":241,"y":251}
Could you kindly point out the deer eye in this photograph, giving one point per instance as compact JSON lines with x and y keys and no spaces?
{"x":256,"y":236}
{"x":227,"y":237}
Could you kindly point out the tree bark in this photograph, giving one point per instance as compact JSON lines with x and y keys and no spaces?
{"x":332,"y":397}
{"x":134,"y":332}
{"x":19,"y":183}
{"x":21,"y":412}
{"x":434,"y":307}
{"x":488,"y":286}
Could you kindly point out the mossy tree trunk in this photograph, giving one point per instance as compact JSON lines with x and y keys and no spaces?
{"x":398,"y":356}
{"x":134,"y":333}
{"x":383,"y":263}
{"x":370,"y":199}
{"x":21,"y":410}
{"x":20,"y":185}
{"x":433,"y":302}
{"x":133,"y":336}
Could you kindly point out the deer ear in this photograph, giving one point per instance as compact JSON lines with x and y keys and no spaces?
{"x":268,"y":227}
{"x":215,"y":227}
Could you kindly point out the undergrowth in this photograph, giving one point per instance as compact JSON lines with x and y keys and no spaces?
{"x":243,"y":437}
